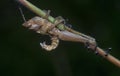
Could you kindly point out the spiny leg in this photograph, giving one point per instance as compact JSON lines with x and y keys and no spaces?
{"x":87,"y":45}
{"x":54,"y":44}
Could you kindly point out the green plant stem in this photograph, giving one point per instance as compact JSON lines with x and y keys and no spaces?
{"x":39,"y":12}
{"x":35,"y":9}
{"x":61,"y":27}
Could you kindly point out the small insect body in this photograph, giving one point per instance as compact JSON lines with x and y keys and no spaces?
{"x":42,"y":26}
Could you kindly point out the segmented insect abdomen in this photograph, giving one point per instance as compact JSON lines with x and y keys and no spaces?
{"x":54,"y":44}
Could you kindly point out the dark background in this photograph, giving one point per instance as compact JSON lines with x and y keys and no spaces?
{"x":21,"y":55}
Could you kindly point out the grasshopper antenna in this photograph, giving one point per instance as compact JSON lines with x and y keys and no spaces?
{"x":22,"y":13}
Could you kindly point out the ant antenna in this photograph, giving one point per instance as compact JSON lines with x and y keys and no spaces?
{"x":22,"y":13}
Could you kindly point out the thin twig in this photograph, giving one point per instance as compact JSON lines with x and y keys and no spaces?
{"x":41,"y":13}
{"x":109,"y":57}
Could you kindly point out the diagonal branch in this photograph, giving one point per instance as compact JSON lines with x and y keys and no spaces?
{"x":41,"y":13}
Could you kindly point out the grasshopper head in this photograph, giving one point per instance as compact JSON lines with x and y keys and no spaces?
{"x":32,"y":23}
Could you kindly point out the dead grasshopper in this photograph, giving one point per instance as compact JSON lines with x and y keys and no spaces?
{"x":43,"y":26}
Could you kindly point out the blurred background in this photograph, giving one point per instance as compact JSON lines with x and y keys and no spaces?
{"x":21,"y":54}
